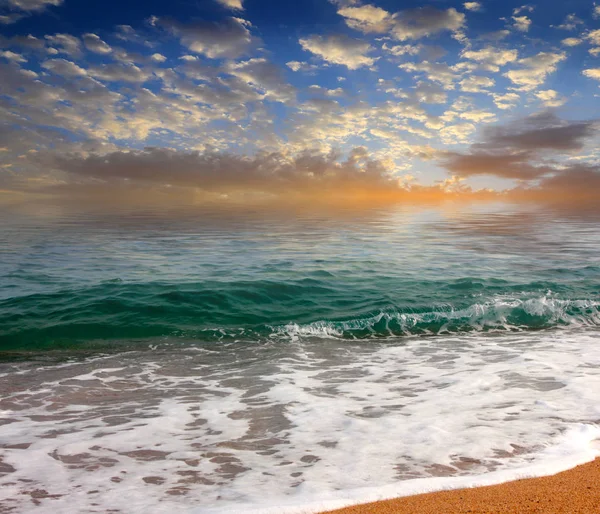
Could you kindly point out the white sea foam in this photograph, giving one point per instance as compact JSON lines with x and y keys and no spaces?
{"x":294,"y":428}
{"x":500,"y":314}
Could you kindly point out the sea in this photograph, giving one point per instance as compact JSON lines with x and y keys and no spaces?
{"x":291,"y":359}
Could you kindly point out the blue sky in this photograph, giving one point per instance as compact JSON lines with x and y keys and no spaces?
{"x":404,"y":91}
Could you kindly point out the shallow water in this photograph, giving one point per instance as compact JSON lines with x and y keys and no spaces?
{"x":205,"y":361}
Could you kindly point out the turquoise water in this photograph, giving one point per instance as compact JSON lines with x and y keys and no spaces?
{"x":77,"y":279}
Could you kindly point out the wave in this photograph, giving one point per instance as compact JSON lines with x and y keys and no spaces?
{"x":500,"y":314}
{"x":114,"y":312}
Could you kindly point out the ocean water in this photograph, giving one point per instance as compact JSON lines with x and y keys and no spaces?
{"x":291,"y":360}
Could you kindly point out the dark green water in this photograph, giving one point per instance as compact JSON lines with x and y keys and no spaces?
{"x":79,"y":279}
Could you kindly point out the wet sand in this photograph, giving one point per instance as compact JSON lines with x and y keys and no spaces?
{"x":576,"y":491}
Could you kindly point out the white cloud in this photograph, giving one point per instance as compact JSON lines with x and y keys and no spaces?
{"x":94,"y":44}
{"x":522,"y":23}
{"x":534,"y":70}
{"x":437,"y":72}
{"x":266,"y":76}
{"x":366,"y":18}
{"x":458,"y":133}
{"x":232,"y":4}
{"x":64,"y":68}
{"x":593,"y":73}
{"x":570,"y":23}
{"x":31,"y":5}
{"x":523,"y":8}
{"x":571,"y":41}
{"x":551,"y":98}
{"x":478,"y":116}
{"x":429,"y":93}
{"x":593,"y":37}
{"x":66,"y":43}
{"x":119,"y":73}
{"x":506,"y":100}
{"x":425,"y":21}
{"x":472,"y":6}
{"x":8,"y":19}
{"x":475,"y":84}
{"x":301,"y":66}
{"x":230,"y":38}
{"x":12,"y":56}
{"x":497,"y":35}
{"x":491,"y":58}
{"x":339,"y":49}
{"x":408,"y":24}
{"x":327,"y":92}
{"x":399,"y":50}
{"x":158,"y":57}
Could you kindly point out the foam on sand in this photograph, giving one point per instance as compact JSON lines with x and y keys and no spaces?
{"x":309,"y":426}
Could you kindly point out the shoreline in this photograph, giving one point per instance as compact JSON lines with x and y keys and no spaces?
{"x":574,"y":491}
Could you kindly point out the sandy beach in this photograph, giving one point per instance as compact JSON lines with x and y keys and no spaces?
{"x":574,"y":491}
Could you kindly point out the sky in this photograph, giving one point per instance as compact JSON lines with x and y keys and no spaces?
{"x":313,"y":99}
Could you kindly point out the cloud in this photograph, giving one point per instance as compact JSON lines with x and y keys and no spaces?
{"x":575,"y":183}
{"x":429,"y":93}
{"x":551,"y":98}
{"x":399,"y":50}
{"x":534,"y":70}
{"x":12,"y":56}
{"x":158,"y":58}
{"x":514,"y":166}
{"x":275,"y":172}
{"x":543,"y":131}
{"x":505,"y":100}
{"x":120,"y":73}
{"x":66,"y":44}
{"x":571,"y":22}
{"x":94,"y":44}
{"x":366,"y":18}
{"x":520,"y":149}
{"x":472,"y":6}
{"x":491,"y":58}
{"x":522,"y":23}
{"x":232,"y":4}
{"x":266,"y":76}
{"x":425,"y":21}
{"x":496,"y":35}
{"x":437,"y":72}
{"x":408,"y":24}
{"x":230,"y":38}
{"x":30,"y":5}
{"x":592,"y":73}
{"x":594,"y":38}
{"x":458,"y":133}
{"x":571,"y":41}
{"x":478,"y":116}
{"x":339,"y":49}
{"x":475,"y":84}
{"x":300,"y":66}
{"x":64,"y":68}
{"x":523,"y":8}
{"x":9,"y":19}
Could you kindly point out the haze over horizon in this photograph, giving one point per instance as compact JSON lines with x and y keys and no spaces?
{"x":319,"y":100}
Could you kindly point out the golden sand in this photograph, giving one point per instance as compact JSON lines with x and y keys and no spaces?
{"x":575,"y":491}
